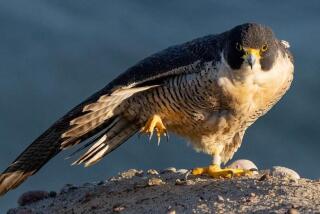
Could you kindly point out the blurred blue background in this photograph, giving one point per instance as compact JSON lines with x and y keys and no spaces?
{"x":53,"y":54}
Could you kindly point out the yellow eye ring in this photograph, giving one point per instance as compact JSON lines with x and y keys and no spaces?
{"x":264,"y":48}
{"x":239,"y":47}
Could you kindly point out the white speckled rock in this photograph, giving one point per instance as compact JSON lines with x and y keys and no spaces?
{"x":243,"y":164}
{"x":283,"y":172}
{"x":169,"y":170}
{"x":182,"y":171}
{"x":152,"y":172}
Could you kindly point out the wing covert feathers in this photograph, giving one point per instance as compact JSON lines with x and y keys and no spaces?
{"x":96,"y":114}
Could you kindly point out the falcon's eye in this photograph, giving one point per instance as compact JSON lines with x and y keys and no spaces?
{"x":264,"y":48}
{"x":239,"y":47}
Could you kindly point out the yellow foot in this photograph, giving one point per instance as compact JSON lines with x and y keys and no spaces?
{"x":216,"y":172}
{"x":155,"y":123}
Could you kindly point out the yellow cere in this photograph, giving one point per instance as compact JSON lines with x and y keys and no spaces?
{"x":252,"y":51}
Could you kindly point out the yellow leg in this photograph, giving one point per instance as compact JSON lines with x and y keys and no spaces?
{"x":155,"y":123}
{"x":216,"y":172}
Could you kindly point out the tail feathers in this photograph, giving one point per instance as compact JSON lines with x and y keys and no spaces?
{"x":110,"y":140}
{"x":28,"y":163}
{"x":10,"y":181}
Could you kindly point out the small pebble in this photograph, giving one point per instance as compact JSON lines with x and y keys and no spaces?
{"x":171,"y":210}
{"x":220,"y":198}
{"x":169,"y":170}
{"x":182,"y":171}
{"x":294,"y":206}
{"x":31,"y":197}
{"x":180,"y":182}
{"x":155,"y":182}
{"x":283,"y":172}
{"x":183,"y":182}
{"x":152,"y":172}
{"x":131,"y":173}
{"x":118,"y":208}
{"x":66,"y":188}
{"x":292,"y":211}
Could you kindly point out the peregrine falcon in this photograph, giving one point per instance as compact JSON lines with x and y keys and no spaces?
{"x":208,"y":90}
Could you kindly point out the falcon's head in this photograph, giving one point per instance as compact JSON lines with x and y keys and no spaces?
{"x":250,"y":45}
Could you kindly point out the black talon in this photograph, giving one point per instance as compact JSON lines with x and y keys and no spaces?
{"x":150,"y":137}
{"x":159,"y":139}
{"x":167,"y":136}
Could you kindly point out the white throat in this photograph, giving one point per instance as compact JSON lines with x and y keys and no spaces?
{"x":253,"y":88}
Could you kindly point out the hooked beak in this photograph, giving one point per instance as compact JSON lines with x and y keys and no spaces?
{"x":251,"y":60}
{"x":251,"y":56}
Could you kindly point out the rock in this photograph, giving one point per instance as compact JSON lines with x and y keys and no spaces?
{"x":292,"y":211}
{"x":31,"y":197}
{"x":155,"y":182}
{"x":20,"y":211}
{"x":169,"y":170}
{"x":283,"y":172}
{"x":152,"y":172}
{"x":184,"y":182}
{"x":180,"y":182}
{"x":131,"y":173}
{"x":220,"y":199}
{"x":52,"y":194}
{"x":68,"y":187}
{"x":118,"y":208}
{"x":182,"y":171}
{"x":243,"y":164}
{"x":171,"y":210}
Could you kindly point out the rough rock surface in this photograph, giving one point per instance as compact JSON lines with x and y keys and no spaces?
{"x":169,"y":191}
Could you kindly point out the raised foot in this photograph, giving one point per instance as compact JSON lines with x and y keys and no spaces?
{"x":216,"y":172}
{"x":155,"y":123}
